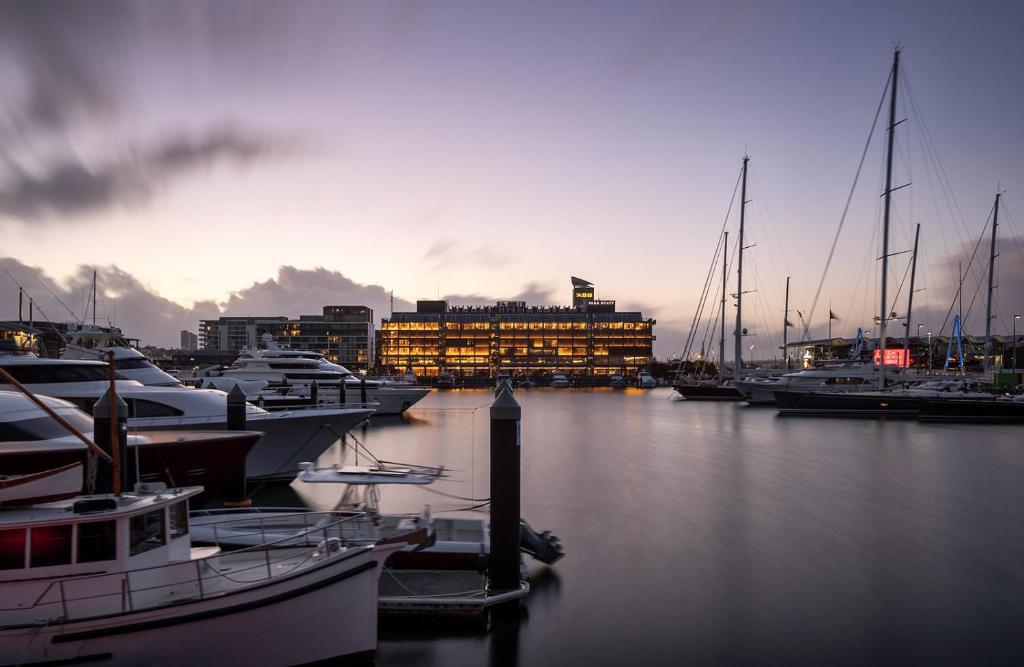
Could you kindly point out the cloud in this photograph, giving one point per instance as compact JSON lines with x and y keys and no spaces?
{"x":446,"y":252}
{"x":72,"y":187}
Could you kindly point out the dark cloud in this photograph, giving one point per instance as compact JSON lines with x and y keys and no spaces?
{"x":72,"y":187}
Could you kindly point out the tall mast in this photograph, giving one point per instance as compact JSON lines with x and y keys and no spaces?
{"x":94,"y":298}
{"x":739,"y":275}
{"x":883,"y":311}
{"x":910,"y":296}
{"x":785,"y":328}
{"x":991,"y":287}
{"x":725,"y":279}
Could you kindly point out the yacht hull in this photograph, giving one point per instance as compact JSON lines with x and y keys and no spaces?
{"x":174,"y":458}
{"x":328,"y":611}
{"x":962,"y":410}
{"x":847,"y":404}
{"x":289,"y":438}
{"x":705,"y":392}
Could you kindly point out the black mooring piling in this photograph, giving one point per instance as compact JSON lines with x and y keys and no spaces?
{"x":102,"y":437}
{"x":503,"y":564}
{"x":234,"y":489}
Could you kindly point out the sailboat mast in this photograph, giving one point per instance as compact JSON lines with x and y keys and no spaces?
{"x":739,"y":275}
{"x":721,"y":323}
{"x":785,"y":328}
{"x":883,"y":311}
{"x":991,"y":287}
{"x":910,"y":296}
{"x":94,"y":298}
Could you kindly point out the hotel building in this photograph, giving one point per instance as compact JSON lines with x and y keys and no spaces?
{"x":343,"y":334}
{"x":589,"y":338}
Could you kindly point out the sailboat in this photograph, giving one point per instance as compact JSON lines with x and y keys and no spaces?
{"x":723,"y":389}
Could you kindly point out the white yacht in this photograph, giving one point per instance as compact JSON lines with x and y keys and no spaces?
{"x":290,"y":436}
{"x":297,"y":369}
{"x":104,"y":577}
{"x":559,"y":381}
{"x":840,"y":378}
{"x":87,"y":341}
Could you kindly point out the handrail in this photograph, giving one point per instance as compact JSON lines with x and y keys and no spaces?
{"x":128,"y":592}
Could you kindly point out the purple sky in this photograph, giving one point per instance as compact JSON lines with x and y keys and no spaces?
{"x":492,"y":151}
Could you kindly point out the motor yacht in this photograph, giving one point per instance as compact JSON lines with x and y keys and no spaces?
{"x":617,"y":381}
{"x":88,"y":341}
{"x":31,"y":442}
{"x":294,"y":370}
{"x":290,"y":436}
{"x":559,"y":381}
{"x":839,"y":378}
{"x":645,"y":380}
{"x":115,"y":578}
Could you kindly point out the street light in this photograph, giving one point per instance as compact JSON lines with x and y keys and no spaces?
{"x":929,"y":351}
{"x":1015,"y":318}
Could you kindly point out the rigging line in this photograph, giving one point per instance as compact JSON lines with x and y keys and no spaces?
{"x":959,"y":285}
{"x":695,"y":324}
{"x":711,"y":270}
{"x":46,"y":287}
{"x":846,"y":207}
{"x":797,"y":301}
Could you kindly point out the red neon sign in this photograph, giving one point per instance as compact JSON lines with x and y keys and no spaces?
{"x":894,"y":357}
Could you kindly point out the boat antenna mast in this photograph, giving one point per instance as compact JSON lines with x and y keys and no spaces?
{"x":910,"y":297}
{"x":739,"y":275}
{"x":785,"y":329}
{"x":884,"y":309}
{"x":94,"y":297}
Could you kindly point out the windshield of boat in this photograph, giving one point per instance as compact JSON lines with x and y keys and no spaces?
{"x":56,"y":373}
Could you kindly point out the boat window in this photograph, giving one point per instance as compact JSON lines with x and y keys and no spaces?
{"x":293,"y":365}
{"x":139,"y":407}
{"x":12,"y":549}
{"x":55,"y":373}
{"x":146,"y":532}
{"x":43,"y":428}
{"x":97,"y":541}
{"x":178,"y":523}
{"x":51,"y":545}
{"x":128,"y":364}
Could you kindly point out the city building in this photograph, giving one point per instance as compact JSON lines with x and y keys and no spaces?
{"x":189,"y":341}
{"x":589,"y":338}
{"x":343,"y":334}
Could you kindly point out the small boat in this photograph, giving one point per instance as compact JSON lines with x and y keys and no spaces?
{"x":375,"y":474}
{"x":135,"y":591}
{"x":527,"y":383}
{"x":645,"y":380}
{"x":559,"y":381}
{"x":617,"y":381}
{"x":444,"y":380}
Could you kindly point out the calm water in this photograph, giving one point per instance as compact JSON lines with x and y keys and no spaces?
{"x":719,"y":533}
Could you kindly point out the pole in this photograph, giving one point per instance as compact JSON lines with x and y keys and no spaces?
{"x":234,"y":489}
{"x":910,"y":296}
{"x":21,"y":298}
{"x":1015,"y":318}
{"x":725,"y":281}
{"x":112,"y":412}
{"x":991,"y":287}
{"x":883,"y":310}
{"x":785,"y":328}
{"x":830,"y":329}
{"x":94,"y":298}
{"x":503,"y":563}
{"x":739,"y":275}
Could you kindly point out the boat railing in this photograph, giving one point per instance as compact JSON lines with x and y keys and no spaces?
{"x":76,"y":598}
{"x":308,"y":528}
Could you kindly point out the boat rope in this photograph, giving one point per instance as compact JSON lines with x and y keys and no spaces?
{"x":481,"y":592}
{"x":846,"y":209}
{"x":959,"y":287}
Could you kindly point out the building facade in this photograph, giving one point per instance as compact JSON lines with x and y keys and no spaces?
{"x":189,"y":341}
{"x":343,"y":334}
{"x":589,"y":338}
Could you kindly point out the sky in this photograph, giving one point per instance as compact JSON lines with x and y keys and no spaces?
{"x":267,"y":158}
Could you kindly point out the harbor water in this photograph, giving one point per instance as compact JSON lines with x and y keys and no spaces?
{"x":721,"y":533}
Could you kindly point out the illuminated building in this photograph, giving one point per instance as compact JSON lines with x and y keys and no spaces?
{"x":589,"y":338}
{"x":343,"y":334}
